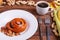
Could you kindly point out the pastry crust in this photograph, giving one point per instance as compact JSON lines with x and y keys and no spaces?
{"x":17,"y":25}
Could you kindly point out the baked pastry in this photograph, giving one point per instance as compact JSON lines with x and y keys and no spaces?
{"x":17,"y":25}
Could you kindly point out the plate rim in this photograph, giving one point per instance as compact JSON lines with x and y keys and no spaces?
{"x":29,"y":13}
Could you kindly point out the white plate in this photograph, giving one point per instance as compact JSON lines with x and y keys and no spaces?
{"x":11,"y":14}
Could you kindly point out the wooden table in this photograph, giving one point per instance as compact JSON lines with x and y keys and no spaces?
{"x":32,"y":9}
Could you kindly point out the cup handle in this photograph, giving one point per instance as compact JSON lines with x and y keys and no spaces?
{"x":50,"y":9}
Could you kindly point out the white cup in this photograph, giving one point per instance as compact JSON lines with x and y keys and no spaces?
{"x":41,"y":10}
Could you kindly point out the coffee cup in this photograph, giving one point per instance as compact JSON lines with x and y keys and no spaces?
{"x":42,"y":7}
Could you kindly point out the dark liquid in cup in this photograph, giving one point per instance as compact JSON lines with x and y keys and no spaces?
{"x":43,"y":5}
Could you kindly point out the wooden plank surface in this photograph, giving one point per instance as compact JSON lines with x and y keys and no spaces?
{"x":32,"y":9}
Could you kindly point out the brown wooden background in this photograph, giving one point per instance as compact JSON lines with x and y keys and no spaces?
{"x":32,"y":9}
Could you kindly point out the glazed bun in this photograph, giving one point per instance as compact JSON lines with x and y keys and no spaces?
{"x":17,"y":25}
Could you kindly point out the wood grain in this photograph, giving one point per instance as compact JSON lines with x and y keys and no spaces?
{"x":32,"y":9}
